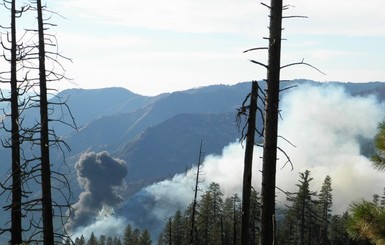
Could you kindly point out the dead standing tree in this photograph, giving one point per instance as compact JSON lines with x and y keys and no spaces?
{"x":12,"y":53}
{"x":32,"y":168}
{"x":48,"y":231}
{"x":193,"y":234}
{"x":251,"y":110}
{"x":269,"y":163}
{"x":271,"y":115}
{"x":51,"y":179}
{"x":16,"y":214}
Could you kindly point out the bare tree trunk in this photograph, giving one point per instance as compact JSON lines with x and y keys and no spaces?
{"x":192,"y":230}
{"x":48,"y":234}
{"x":271,"y":126}
{"x":248,"y":163}
{"x":16,"y":226}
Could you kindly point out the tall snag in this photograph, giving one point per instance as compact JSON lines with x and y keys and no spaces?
{"x":271,"y":125}
{"x":248,"y":163}
{"x":194,"y":204}
{"x":48,"y":233}
{"x":16,"y":214}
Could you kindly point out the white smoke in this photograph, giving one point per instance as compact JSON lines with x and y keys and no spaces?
{"x":325,"y":123}
{"x":105,"y":224}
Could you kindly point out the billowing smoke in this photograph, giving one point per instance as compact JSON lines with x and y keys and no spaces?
{"x":101,"y":176}
{"x":325,"y":124}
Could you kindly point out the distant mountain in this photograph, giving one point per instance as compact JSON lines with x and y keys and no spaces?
{"x":88,"y":105}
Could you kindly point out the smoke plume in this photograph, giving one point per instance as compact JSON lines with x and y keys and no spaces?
{"x":101,"y":176}
{"x":327,"y":126}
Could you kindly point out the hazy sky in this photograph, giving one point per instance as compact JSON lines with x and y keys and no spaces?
{"x":152,"y":46}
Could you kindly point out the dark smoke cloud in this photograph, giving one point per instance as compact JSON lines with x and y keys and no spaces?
{"x":101,"y":176}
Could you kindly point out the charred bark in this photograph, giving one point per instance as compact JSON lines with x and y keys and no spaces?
{"x":48,"y":233}
{"x":16,"y":213}
{"x":271,"y":126}
{"x":248,"y":163}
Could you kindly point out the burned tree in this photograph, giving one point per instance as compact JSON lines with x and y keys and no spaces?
{"x":271,"y":125}
{"x":28,"y":97}
{"x":46,"y":200}
{"x":251,"y":110}
{"x":12,"y":53}
{"x":16,"y":215}
{"x":270,"y":117}
{"x":195,"y":201}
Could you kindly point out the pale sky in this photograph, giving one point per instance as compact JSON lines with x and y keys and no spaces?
{"x":153,"y":46}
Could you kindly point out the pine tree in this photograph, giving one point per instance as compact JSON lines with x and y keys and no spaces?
{"x":102,"y":240}
{"x":116,"y":241}
{"x":110,"y":241}
{"x":301,"y":215}
{"x":165,"y":237}
{"x":338,"y":229}
{"x":145,"y":238}
{"x":210,"y":210}
{"x":80,"y":241}
{"x":136,"y":236}
{"x":178,"y":229}
{"x":367,"y":222}
{"x":127,"y":237}
{"x":325,"y":203}
{"x":232,"y":220}
{"x":92,"y":240}
{"x":378,"y":159}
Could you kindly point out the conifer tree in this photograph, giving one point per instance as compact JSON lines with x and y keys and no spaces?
{"x":102,"y":240}
{"x":367,"y":222}
{"x":232,"y":220}
{"x":116,"y":241}
{"x":210,"y":209}
{"x":127,"y":237}
{"x":145,"y":238}
{"x":92,"y":240}
{"x":338,"y":229}
{"x":136,"y":236}
{"x":325,"y":202}
{"x":178,"y":229}
{"x":110,"y":241}
{"x":378,"y":159}
{"x":301,"y":215}
{"x":80,"y":241}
